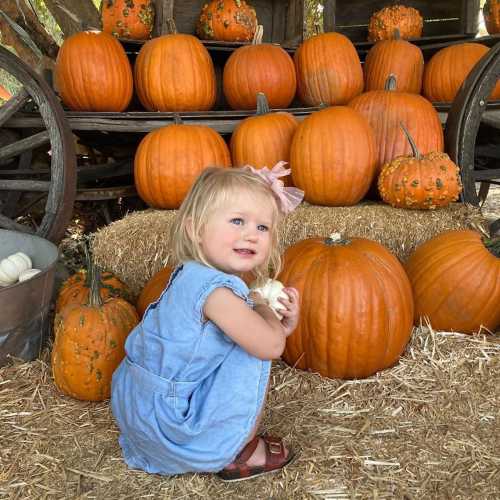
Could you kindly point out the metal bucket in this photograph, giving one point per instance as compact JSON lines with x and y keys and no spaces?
{"x":24,"y":307}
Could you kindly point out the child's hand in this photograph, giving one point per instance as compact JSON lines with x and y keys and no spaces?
{"x":290,"y":311}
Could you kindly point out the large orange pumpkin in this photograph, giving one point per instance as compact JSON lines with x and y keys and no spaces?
{"x":153,"y":289}
{"x":491,"y":13}
{"x":449,"y":67}
{"x":265,"y":139}
{"x":128,"y":18}
{"x":175,"y":73}
{"x":456,"y":281}
{"x":356,"y":307}
{"x":395,"y":57}
{"x":93,"y":73}
{"x":407,"y":20}
{"x":169,"y":159}
{"x":334,"y":156}
{"x":328,"y":70}
{"x":89,"y":344}
{"x":259,"y":67}
{"x":227,"y":20}
{"x":386,"y":109}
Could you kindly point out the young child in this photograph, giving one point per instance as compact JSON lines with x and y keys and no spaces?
{"x":188,"y":397}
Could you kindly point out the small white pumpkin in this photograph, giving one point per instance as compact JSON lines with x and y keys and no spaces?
{"x":272,"y":291}
{"x":28,"y":273}
{"x":12,"y":266}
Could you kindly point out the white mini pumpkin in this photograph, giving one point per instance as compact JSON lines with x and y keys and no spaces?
{"x":12,"y":266}
{"x":272,"y":291}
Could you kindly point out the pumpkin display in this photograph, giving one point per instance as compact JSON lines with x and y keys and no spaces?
{"x":449,"y":67}
{"x":153,"y":289}
{"x":227,"y":20}
{"x":491,"y":14}
{"x":420,"y":181}
{"x":328,"y":70}
{"x":174,"y":72}
{"x":407,"y":20}
{"x":259,"y":67}
{"x":264,"y":139}
{"x":455,"y":278}
{"x":333,"y":156}
{"x":356,"y":306}
{"x":396,"y":57}
{"x":386,"y":109}
{"x":89,"y":344}
{"x":128,"y":18}
{"x":108,"y":82}
{"x":169,"y":159}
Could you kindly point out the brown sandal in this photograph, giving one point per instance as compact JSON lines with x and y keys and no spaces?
{"x":275,"y":460}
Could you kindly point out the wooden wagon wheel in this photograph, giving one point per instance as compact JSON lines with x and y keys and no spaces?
{"x":467,"y":114}
{"x":55,"y":187}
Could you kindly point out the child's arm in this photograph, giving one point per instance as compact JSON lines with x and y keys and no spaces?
{"x":258,"y":330}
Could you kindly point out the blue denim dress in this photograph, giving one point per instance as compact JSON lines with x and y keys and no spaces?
{"x":186,"y":397}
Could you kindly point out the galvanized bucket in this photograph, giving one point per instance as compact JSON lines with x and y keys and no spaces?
{"x":24,"y":307}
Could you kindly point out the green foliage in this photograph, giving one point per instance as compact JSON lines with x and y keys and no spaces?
{"x":314,"y":17}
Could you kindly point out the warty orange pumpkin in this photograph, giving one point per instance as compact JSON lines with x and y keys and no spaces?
{"x":174,"y":72}
{"x":108,"y":82}
{"x":333,"y":156}
{"x":455,"y":278}
{"x":168,"y":160}
{"x":328,"y":70}
{"x":407,"y":20}
{"x":356,"y":306}
{"x":128,"y":18}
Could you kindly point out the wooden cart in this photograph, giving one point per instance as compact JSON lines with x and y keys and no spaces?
{"x":34,"y":120}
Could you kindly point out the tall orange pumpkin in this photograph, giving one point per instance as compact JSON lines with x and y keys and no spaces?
{"x":328,"y":70}
{"x":356,"y":307}
{"x":175,"y":73}
{"x":449,"y":67}
{"x":386,"y":109}
{"x":169,"y":159}
{"x":395,"y":57}
{"x":153,"y":289}
{"x":107,"y":83}
{"x":334,"y":156}
{"x":265,"y":139}
{"x":456,"y":281}
{"x":227,"y":20}
{"x":90,"y":344}
{"x":128,"y":18}
{"x":259,"y":67}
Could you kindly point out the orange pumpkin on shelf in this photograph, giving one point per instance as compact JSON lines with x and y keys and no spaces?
{"x":449,"y":67}
{"x":333,"y":156}
{"x":491,"y":14}
{"x":164,"y":84}
{"x":264,"y":139}
{"x":153,"y":289}
{"x":108,"y":81}
{"x":227,"y":20}
{"x":90,"y":344}
{"x":407,"y":20}
{"x":132,"y":19}
{"x":356,"y":306}
{"x":420,"y":181}
{"x":259,"y":67}
{"x":456,"y":281}
{"x":328,"y":70}
{"x":168,"y":160}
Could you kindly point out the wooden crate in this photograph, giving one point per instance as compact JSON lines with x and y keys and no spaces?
{"x":452,"y":19}
{"x":283,"y":20}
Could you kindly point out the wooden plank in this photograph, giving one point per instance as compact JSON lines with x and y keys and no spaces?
{"x":18,"y":147}
{"x":22,"y":185}
{"x":13,"y":105}
{"x":294,"y":30}
{"x":6,"y":223}
{"x":470,"y":19}
{"x":329,"y":15}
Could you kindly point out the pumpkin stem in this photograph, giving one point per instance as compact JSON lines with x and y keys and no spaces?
{"x":95,"y":299}
{"x":262,"y":104}
{"x":390,"y":83}
{"x":415,"y":151}
{"x":336,"y":239}
{"x":259,"y":33}
{"x":397,"y":34}
{"x":493,"y":246}
{"x":87,"y":262}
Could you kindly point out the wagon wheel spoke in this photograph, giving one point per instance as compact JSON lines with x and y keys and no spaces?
{"x":37,"y":167}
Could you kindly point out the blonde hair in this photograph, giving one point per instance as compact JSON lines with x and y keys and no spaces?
{"x":212,"y":188}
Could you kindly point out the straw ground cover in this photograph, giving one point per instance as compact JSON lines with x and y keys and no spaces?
{"x":426,"y":428}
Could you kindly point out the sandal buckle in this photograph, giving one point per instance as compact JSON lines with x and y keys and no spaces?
{"x":274,"y":448}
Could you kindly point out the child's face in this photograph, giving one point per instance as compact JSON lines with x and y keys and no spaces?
{"x":237,"y":236}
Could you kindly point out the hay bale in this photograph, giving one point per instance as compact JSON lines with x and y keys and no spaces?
{"x":137,"y":246}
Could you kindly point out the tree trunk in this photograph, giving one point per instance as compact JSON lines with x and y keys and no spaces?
{"x":74,"y":15}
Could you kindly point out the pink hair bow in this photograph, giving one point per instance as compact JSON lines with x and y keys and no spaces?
{"x":289,"y":197}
